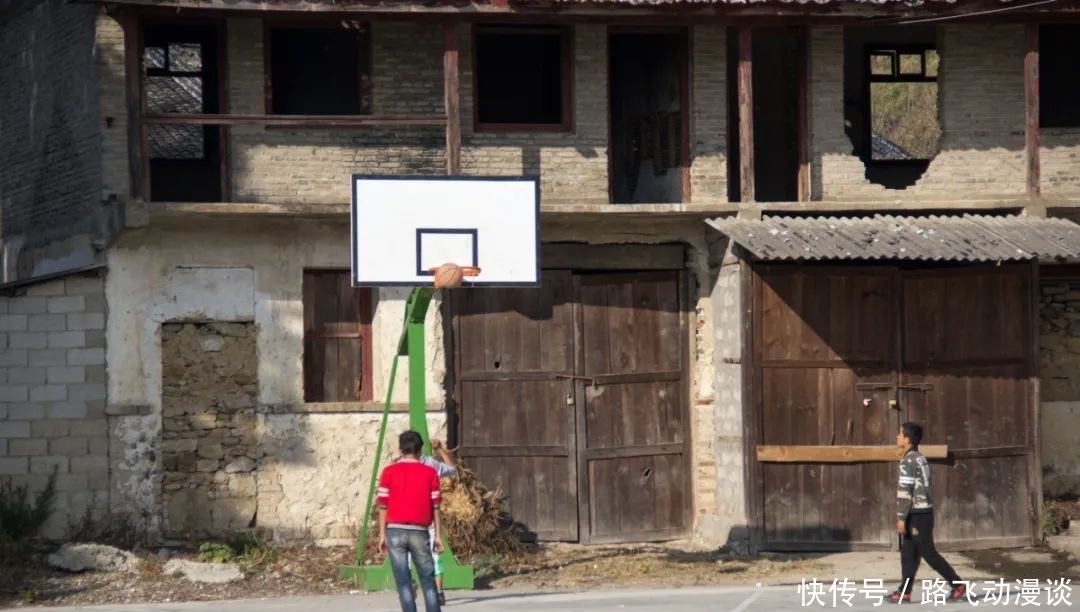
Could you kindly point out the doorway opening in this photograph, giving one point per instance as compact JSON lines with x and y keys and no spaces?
{"x":649,"y":144}
{"x":776,"y":56}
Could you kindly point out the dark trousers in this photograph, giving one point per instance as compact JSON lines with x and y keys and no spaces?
{"x":918,"y":545}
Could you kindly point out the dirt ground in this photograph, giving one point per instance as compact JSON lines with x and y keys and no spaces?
{"x":313,"y":571}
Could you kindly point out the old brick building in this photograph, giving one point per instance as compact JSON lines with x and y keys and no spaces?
{"x":182,"y":340}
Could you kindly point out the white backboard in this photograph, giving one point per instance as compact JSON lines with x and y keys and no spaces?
{"x":404,"y":225}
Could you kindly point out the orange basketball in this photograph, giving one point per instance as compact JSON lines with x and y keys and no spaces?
{"x":448,"y":275}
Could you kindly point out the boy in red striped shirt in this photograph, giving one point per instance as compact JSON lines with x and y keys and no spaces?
{"x":408,"y":500}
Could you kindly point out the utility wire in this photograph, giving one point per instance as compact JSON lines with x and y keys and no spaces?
{"x":963,"y":15}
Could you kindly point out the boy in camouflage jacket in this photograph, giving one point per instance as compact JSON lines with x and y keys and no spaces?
{"x":915,"y":518}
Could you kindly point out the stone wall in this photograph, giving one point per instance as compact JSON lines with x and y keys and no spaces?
{"x":52,"y":393}
{"x":209,"y":439}
{"x":51,"y":200}
{"x":1059,"y":391}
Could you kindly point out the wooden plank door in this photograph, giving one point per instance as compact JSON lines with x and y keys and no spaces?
{"x":633,"y":447}
{"x":967,"y":367}
{"x":827,"y":351}
{"x":515,"y":367}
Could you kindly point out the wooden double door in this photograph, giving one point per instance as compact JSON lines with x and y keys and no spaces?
{"x":845,"y":355}
{"x":571,"y":399}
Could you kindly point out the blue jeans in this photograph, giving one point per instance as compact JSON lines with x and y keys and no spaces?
{"x":403,"y":543}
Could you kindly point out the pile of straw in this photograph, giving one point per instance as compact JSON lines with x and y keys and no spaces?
{"x":474,"y":520}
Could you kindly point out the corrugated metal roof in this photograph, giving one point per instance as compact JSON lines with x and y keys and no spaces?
{"x":967,"y":238}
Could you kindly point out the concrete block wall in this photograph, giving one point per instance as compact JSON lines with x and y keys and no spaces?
{"x":52,"y":393}
{"x":981,"y":100}
{"x":51,"y":162}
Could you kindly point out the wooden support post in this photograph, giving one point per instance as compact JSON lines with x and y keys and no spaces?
{"x":1031,"y":111}
{"x":452,"y":99}
{"x":802,"y":77}
{"x":137,"y":162}
{"x":746,"y":115}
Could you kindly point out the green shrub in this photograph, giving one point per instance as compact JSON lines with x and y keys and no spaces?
{"x":21,"y":518}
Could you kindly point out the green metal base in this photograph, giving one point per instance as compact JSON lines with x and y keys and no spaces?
{"x":381,"y":577}
{"x":411,"y":345}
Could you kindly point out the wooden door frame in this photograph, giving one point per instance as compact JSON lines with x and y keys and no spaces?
{"x":585,"y":534}
{"x":751,"y":273}
{"x":452,"y":381}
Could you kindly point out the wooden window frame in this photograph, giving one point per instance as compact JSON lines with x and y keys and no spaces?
{"x":302,"y":22}
{"x":869,"y":51}
{"x":366,"y":314}
{"x":566,"y":35}
{"x":135,"y":24}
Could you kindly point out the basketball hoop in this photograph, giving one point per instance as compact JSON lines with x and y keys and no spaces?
{"x":450,"y":275}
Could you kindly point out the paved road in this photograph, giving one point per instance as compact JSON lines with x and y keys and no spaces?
{"x":714,"y":599}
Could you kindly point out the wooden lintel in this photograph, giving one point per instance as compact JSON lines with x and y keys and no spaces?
{"x":746,"y":115}
{"x":842,"y":454}
{"x":452,"y":98}
{"x":1031,"y":111}
{"x":300,"y":121}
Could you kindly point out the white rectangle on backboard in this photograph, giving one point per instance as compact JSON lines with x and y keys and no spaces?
{"x":403,"y":226}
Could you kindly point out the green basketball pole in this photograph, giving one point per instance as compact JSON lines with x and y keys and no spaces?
{"x":411,"y":344}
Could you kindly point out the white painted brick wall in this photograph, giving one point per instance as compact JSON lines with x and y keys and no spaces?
{"x":52,"y":400}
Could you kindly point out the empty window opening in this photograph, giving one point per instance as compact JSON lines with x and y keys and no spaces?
{"x":337,"y":338}
{"x":647,"y":118}
{"x":319,"y":71}
{"x":775,"y":55}
{"x":1059,"y":76}
{"x":522,"y":78}
{"x":181,"y":77}
{"x":891,"y":102}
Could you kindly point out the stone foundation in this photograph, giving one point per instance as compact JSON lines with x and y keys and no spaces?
{"x":1059,"y":353}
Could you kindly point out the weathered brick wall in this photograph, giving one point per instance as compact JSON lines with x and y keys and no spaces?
{"x":572,"y":166}
{"x":52,"y":393}
{"x":1058,"y":155}
{"x":982,"y":116}
{"x":315,"y":165}
{"x":1059,"y":392}
{"x":708,"y":128}
{"x":51,"y":158}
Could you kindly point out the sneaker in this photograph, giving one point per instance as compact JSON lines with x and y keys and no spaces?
{"x":442,"y":598}
{"x":897,"y":596}
{"x":959,"y":592}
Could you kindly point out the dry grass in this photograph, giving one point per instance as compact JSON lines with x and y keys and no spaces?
{"x":475,"y":522}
